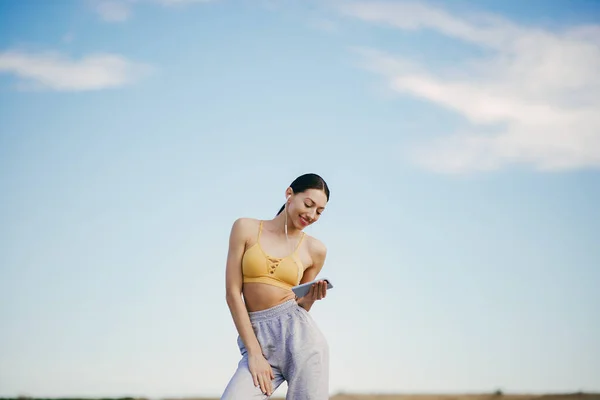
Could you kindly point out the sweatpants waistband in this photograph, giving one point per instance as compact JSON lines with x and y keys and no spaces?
{"x":273,"y":312}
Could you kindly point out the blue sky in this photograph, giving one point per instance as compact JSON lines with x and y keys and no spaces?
{"x":461,"y":144}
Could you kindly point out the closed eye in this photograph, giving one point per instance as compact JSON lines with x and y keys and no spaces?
{"x":310,"y":204}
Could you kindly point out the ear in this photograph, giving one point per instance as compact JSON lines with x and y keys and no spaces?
{"x":288,"y":193}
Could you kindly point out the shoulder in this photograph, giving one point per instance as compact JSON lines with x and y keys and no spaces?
{"x":245,"y":223}
{"x":317,"y":248}
{"x":244,"y":227}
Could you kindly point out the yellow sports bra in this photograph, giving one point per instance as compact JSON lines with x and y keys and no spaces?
{"x":258,"y":266}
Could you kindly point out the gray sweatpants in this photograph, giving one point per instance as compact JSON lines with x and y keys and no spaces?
{"x":294,"y":347}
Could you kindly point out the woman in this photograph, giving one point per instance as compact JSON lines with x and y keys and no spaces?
{"x":278,"y":339}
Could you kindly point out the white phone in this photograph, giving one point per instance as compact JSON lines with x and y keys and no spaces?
{"x":302,"y":290}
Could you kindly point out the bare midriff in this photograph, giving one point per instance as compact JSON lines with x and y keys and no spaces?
{"x":260,"y":296}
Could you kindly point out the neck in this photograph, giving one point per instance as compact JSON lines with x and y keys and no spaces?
{"x":279,"y":223}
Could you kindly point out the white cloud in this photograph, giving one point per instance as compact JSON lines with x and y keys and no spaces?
{"x":68,"y":37}
{"x":113,"y":11}
{"x":325,"y":25}
{"x":122,"y":10}
{"x":177,"y":2}
{"x":56,"y":72}
{"x":534,"y":99}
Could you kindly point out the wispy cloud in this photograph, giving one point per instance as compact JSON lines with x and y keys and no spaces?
{"x":177,"y":2}
{"x":325,"y":25}
{"x":533,"y":99}
{"x":56,"y":72}
{"x":122,"y":10}
{"x":113,"y":11}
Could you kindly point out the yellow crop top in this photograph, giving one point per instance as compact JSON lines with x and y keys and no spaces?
{"x":258,"y":266}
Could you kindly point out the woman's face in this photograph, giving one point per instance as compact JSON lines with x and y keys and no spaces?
{"x":305,"y":208}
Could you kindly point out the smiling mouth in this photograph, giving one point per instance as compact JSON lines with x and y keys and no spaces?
{"x":304,"y":221}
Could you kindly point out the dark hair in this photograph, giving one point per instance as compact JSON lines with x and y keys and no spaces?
{"x":305,"y":182}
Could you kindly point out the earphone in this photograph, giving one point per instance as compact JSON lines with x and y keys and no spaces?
{"x":285,"y":226}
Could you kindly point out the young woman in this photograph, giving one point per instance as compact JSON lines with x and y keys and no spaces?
{"x":278,"y":339}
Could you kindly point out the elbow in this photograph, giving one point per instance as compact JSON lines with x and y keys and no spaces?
{"x":232,"y":297}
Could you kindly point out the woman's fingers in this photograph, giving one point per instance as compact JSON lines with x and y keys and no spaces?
{"x":262,"y":374}
{"x":318,"y":290}
{"x":263,"y":383}
{"x":321,"y":288}
{"x":266,"y":386}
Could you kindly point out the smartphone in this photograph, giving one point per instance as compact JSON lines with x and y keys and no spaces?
{"x":302,"y":290}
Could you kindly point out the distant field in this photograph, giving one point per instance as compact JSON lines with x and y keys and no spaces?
{"x":349,"y":396}
{"x":467,"y":397}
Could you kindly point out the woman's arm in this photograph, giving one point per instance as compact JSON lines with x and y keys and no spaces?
{"x":258,"y":365}
{"x":233,"y":287}
{"x":319,"y":289}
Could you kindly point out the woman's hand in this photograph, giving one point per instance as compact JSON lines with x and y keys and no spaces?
{"x":262,"y":373}
{"x":317,"y":291}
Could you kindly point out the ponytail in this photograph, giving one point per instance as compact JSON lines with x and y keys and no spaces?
{"x":281,"y":209}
